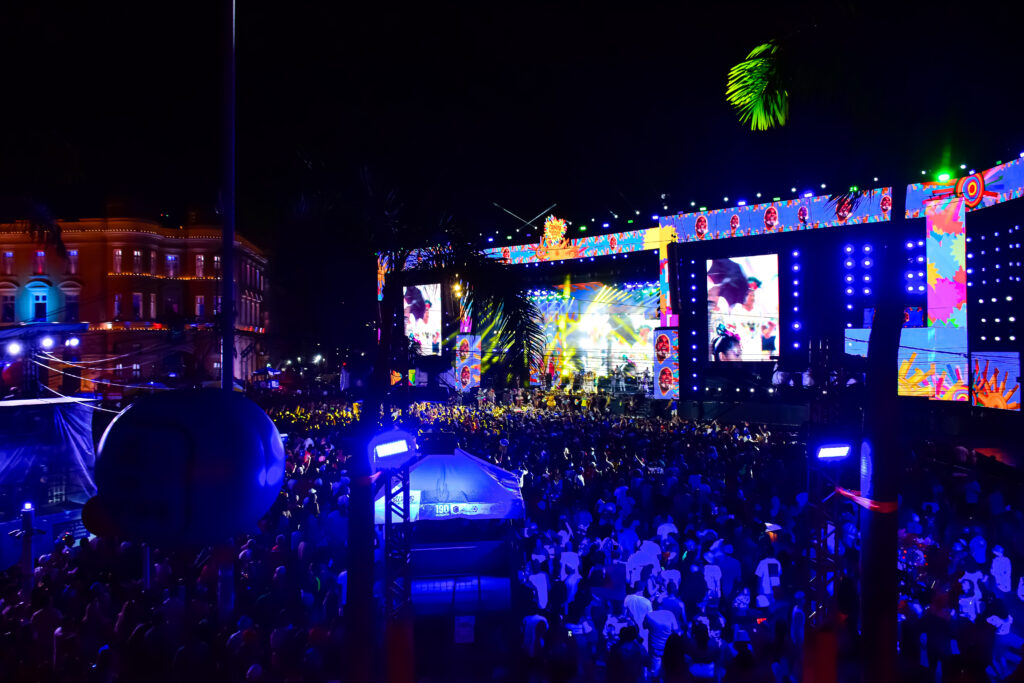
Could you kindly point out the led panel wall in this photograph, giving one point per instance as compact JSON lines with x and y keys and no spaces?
{"x":666,"y":364}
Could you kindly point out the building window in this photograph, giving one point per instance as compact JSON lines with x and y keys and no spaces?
{"x":152,"y":306}
{"x":39,"y":267}
{"x":39,"y":307}
{"x":117,"y":307}
{"x":7,"y":308}
{"x":73,"y":262}
{"x":136,"y":305}
{"x":136,"y":371}
{"x":136,"y":261}
{"x":200,"y":263}
{"x":119,"y":371}
{"x":71,"y":308}
{"x":8,"y":263}
{"x":216,"y":266}
{"x":172,"y":265}
{"x":200,"y":305}
{"x":152,"y":262}
{"x":216,"y":365}
{"x":216,"y":305}
{"x":117,"y":261}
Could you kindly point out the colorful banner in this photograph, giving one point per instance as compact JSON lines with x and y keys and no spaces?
{"x":946,"y":249}
{"x":996,"y":380}
{"x":467,"y":361}
{"x":979,"y":190}
{"x":666,"y":363}
{"x":805,"y":213}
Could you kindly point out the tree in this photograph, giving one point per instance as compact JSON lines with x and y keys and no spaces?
{"x":759,"y":89}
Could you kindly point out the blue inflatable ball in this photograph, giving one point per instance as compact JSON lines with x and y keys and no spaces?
{"x":186,"y":467}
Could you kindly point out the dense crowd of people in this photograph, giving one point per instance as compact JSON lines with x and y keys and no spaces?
{"x":654,"y":548}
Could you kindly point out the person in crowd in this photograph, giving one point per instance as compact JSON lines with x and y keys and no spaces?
{"x":646,"y":553}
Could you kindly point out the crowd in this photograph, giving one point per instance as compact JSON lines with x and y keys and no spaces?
{"x":654,"y":549}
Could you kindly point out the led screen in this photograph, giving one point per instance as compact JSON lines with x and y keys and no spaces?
{"x":666,"y":364}
{"x":996,"y":382}
{"x":743,"y":308}
{"x":595,"y":330}
{"x":423,"y":317}
{"x":467,"y":361}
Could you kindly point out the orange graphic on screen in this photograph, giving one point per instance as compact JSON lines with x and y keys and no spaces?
{"x":989,"y":392}
{"x":553,"y":243}
{"x":914,"y":381}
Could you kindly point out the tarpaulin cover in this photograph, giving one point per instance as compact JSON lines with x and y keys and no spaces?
{"x":41,"y":440}
{"x":459,"y":485}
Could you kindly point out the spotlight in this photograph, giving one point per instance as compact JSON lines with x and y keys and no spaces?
{"x":848,"y":248}
{"x":867,"y":248}
{"x":73,"y":341}
{"x":796,"y":254}
{"x":13,"y":348}
{"x":867,"y":263}
{"x":47,"y":342}
{"x":834,"y":451}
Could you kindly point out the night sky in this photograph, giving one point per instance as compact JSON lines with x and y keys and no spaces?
{"x":597,"y":111}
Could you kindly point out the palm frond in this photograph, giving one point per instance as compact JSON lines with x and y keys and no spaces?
{"x":756,"y":90}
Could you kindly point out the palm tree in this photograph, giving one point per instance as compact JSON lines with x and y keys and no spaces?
{"x":759,"y":89}
{"x":505,"y":315}
{"x":756,"y":90}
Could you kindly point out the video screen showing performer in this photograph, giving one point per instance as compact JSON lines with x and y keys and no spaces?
{"x":423,"y":317}
{"x":743,"y":308}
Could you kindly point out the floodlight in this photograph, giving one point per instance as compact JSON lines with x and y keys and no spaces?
{"x":47,"y":342}
{"x":834,"y":451}
{"x":391,"y":449}
{"x":13,"y":348}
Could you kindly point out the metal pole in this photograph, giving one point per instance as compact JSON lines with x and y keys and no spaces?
{"x":28,"y":522}
{"x":225,"y":566}
{"x":227,"y":358}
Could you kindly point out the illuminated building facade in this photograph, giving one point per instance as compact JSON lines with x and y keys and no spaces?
{"x":150,"y":295}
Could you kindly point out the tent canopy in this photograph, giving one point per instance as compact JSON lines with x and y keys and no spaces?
{"x":43,"y":442}
{"x":458,"y":485}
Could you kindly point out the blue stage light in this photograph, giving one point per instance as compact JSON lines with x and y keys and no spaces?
{"x":867,"y":263}
{"x":834,"y":451}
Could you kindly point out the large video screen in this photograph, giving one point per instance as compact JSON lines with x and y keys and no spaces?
{"x":595,"y":330}
{"x":423,"y":317}
{"x":743,"y":308}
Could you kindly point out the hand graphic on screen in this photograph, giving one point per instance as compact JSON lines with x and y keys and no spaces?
{"x":990,"y":392}
{"x":916,"y":383}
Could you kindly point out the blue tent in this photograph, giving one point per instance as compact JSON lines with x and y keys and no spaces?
{"x":459,"y":486}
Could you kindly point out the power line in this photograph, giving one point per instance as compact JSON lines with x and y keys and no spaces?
{"x":87,"y":405}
